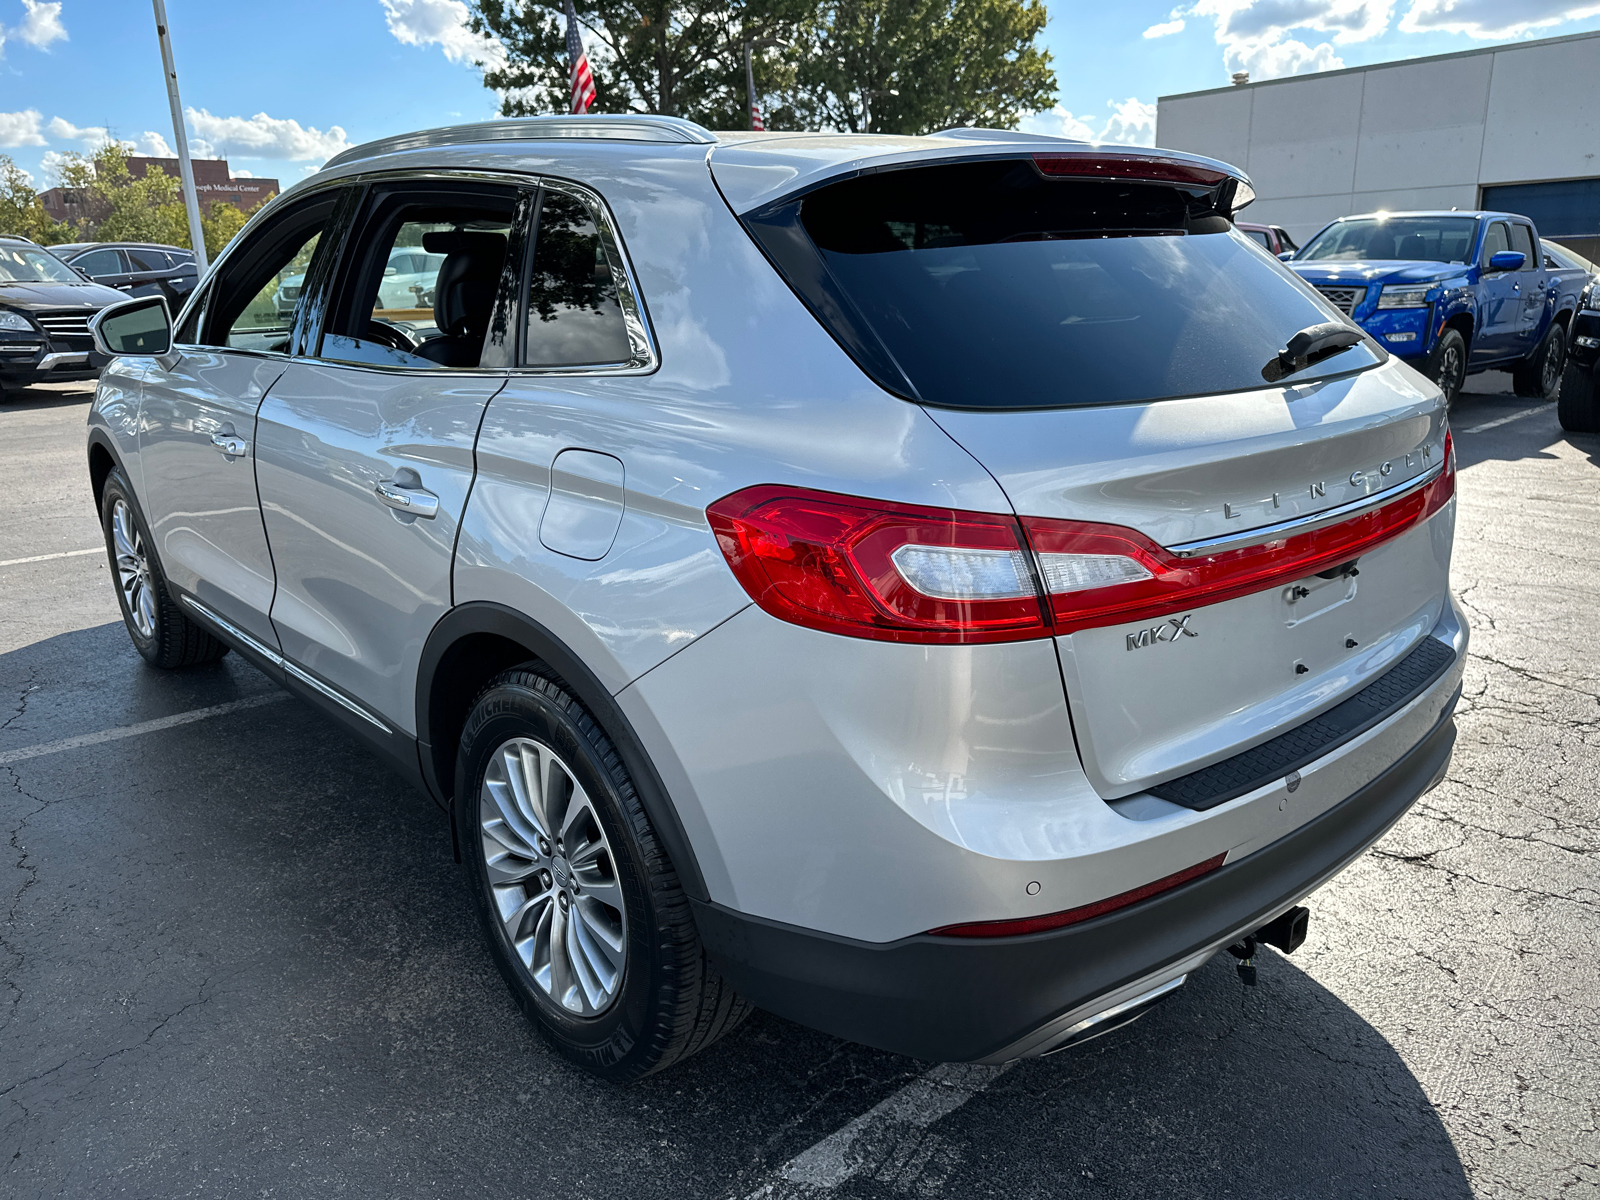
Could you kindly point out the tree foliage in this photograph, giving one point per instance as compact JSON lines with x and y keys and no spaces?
{"x":119,"y":206}
{"x":916,"y":65}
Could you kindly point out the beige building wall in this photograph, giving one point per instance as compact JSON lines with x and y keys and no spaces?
{"x":1422,"y":133}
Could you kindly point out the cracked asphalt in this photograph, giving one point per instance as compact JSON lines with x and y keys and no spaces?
{"x":237,"y":959}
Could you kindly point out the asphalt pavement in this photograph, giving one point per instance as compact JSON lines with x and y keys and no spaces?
{"x":237,"y":959}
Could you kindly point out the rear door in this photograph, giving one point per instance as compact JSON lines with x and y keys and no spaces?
{"x":198,"y":423}
{"x":365,"y":444}
{"x":1535,"y":283}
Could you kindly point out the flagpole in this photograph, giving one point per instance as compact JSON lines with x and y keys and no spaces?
{"x":191,"y":198}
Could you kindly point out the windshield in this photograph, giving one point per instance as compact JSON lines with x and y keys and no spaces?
{"x":25,"y":264}
{"x":1393,"y":239}
{"x":990,"y":286}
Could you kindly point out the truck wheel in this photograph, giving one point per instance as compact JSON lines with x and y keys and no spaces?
{"x":1578,"y":407}
{"x":1447,"y":365}
{"x":1539,"y":375}
{"x":583,"y":911}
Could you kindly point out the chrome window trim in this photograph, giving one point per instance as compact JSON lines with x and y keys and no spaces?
{"x":1328,"y":516}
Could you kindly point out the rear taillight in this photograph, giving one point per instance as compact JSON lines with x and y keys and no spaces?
{"x":873,"y":569}
{"x":1096,"y":165}
{"x":904,"y":573}
{"x":1171,"y":583}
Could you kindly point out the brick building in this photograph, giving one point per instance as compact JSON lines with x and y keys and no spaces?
{"x":212,"y":182}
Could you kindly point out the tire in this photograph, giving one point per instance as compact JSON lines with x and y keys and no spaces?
{"x":1538,"y":377}
{"x":1578,"y":405}
{"x":1447,"y":365}
{"x":600,"y":952}
{"x":160,"y":631}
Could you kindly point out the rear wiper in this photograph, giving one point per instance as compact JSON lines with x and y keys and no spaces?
{"x":1312,"y":344}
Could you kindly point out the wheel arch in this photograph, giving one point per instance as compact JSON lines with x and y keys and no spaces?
{"x":103,"y":459}
{"x":472,"y":644}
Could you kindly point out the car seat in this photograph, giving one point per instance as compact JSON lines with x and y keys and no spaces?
{"x":463,"y":293}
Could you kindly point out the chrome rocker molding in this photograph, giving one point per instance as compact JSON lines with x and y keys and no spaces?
{"x":279,"y":661}
{"x":1328,"y":516}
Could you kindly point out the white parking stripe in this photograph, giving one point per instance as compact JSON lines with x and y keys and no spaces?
{"x":128,"y":731}
{"x":1516,"y":416}
{"x":881,"y":1138}
{"x":17,"y":562}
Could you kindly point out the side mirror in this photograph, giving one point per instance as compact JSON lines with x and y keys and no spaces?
{"x":1285,"y":255}
{"x":391,"y":270}
{"x":142,"y":326}
{"x":1507,"y":260}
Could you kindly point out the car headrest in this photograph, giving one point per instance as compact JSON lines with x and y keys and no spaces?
{"x":474,"y":242}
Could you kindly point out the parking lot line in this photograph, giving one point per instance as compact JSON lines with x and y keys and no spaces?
{"x":17,"y":562}
{"x":883,"y":1135}
{"x":127,"y":731}
{"x":1516,"y":416}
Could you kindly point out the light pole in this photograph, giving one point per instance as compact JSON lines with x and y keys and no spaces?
{"x":191,"y":199}
{"x":866,"y":104}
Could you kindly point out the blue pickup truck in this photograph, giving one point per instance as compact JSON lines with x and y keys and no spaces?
{"x":1451,"y":293}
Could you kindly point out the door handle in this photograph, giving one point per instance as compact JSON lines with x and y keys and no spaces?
{"x":416,"y":502}
{"x":1516,"y":287}
{"x":229,"y":444}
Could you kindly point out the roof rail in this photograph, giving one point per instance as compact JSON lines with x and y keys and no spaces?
{"x":606,"y":127}
{"x":979,"y":134}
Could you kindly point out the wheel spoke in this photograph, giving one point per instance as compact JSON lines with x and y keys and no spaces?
{"x":520,"y":779}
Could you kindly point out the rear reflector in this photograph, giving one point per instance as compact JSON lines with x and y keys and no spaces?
{"x":905,"y":573}
{"x":1021,"y":925}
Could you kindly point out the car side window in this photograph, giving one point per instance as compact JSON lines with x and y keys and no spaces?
{"x":1259,"y":235}
{"x":100,"y":262}
{"x":147,"y":260}
{"x":253,"y":301}
{"x":575,"y":313}
{"x":1497,"y":239}
{"x":1522,"y":239}
{"x":419,"y":285}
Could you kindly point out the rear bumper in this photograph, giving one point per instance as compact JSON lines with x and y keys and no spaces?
{"x":950,"y":999}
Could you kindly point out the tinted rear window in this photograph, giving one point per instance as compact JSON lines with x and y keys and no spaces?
{"x":987,"y":285}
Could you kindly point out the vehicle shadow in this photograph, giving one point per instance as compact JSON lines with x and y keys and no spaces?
{"x":240,"y":953}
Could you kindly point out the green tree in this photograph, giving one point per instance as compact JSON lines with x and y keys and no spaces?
{"x":20,"y":209}
{"x":683,"y":59}
{"x":914,"y":66}
{"x":146,"y":209}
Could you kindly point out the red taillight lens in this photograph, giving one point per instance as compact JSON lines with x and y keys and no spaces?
{"x":1172,"y":583}
{"x":1072,"y":916}
{"x":903,"y":573}
{"x":1127,"y":166}
{"x":869,"y":568}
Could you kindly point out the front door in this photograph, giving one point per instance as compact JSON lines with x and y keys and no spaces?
{"x":198,"y":426}
{"x":365,"y":447}
{"x":1500,"y":308}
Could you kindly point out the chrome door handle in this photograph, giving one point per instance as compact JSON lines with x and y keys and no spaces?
{"x":1516,"y":287}
{"x":418,"y":502}
{"x":233,"y":447}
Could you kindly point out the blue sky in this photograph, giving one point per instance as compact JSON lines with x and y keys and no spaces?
{"x":276,"y":88}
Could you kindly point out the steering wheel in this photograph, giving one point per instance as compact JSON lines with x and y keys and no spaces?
{"x":388,"y":335}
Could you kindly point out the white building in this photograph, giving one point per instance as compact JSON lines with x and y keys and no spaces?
{"x":1515,"y":128}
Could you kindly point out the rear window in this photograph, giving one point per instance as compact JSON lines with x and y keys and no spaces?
{"x":987,"y":285}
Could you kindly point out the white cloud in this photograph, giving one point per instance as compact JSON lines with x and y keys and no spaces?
{"x":21,"y":128}
{"x":1270,"y":20}
{"x":1058,"y":122}
{"x":50,"y":166}
{"x":1133,"y":123}
{"x":41,"y":24}
{"x":262,"y":136}
{"x":1275,"y":60}
{"x":241,"y":174}
{"x":442,"y":23}
{"x":154,"y":145}
{"x":1166,"y":27}
{"x":1492,"y":18}
{"x":200,"y":148}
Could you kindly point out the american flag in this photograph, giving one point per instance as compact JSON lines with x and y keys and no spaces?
{"x":578,"y":65}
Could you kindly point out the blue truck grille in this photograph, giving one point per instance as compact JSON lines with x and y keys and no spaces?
{"x":1344,"y":299}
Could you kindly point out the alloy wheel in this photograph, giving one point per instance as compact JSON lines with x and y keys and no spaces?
{"x":1550,"y":369}
{"x":552,"y":876}
{"x":133,"y":569}
{"x":1450,"y":372}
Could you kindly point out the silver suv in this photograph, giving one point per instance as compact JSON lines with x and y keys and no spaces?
{"x":942,"y":590}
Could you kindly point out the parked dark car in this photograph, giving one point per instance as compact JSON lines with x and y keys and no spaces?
{"x":1578,"y":405}
{"x":1274,"y":237}
{"x":135,"y":268}
{"x":45,"y":308}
